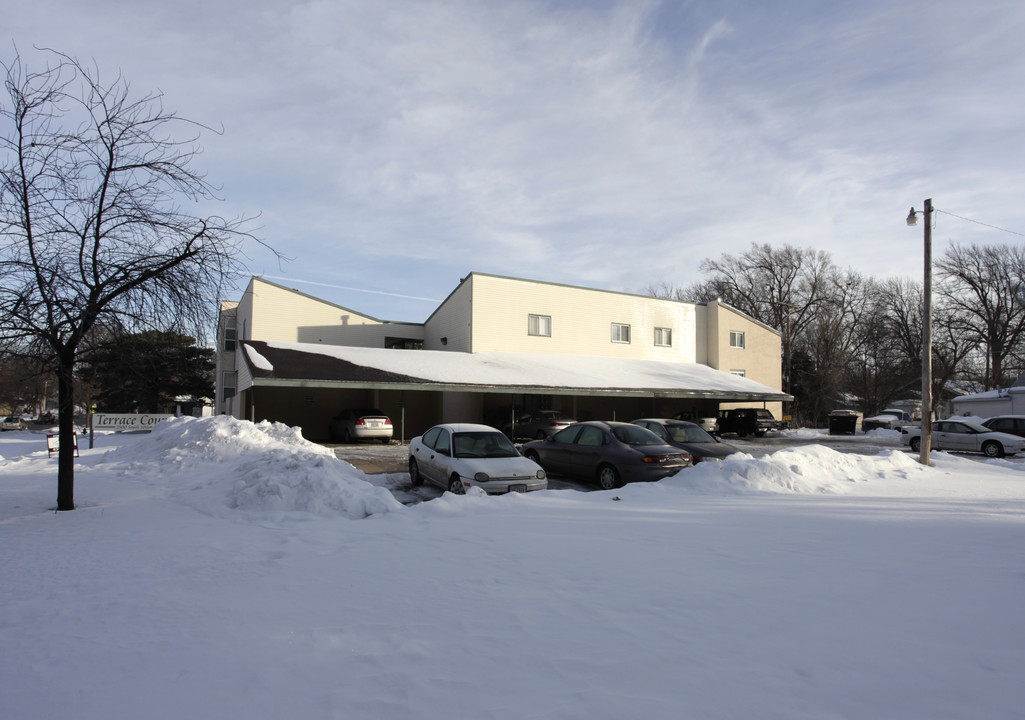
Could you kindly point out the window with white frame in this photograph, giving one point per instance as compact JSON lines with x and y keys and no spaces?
{"x":620,"y":333}
{"x":741,"y":373}
{"x":736,"y":339}
{"x":230,"y":333}
{"x":664,"y":337}
{"x":539,"y":325}
{"x":228,"y":385}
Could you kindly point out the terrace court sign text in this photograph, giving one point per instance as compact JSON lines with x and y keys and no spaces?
{"x":126,"y":422}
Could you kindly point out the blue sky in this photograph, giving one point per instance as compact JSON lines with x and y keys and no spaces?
{"x":392,"y":147}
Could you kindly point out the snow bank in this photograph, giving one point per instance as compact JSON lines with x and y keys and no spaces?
{"x":812,"y":469}
{"x":883,"y":433}
{"x":220,"y":462}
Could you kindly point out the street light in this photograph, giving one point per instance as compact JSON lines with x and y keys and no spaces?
{"x":926,"y":438}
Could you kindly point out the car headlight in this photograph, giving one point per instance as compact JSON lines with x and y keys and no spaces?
{"x":540,"y":474}
{"x":482,"y":477}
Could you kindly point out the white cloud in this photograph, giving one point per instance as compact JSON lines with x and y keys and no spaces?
{"x":610,"y":144}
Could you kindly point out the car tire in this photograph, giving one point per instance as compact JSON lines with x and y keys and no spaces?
{"x":608,"y":478}
{"x":916,"y":444}
{"x":532,"y":456}
{"x":415,"y":478}
{"x":541,"y":435}
{"x":993,"y":449}
{"x":455,"y":485}
{"x":346,"y":436}
{"x":742,"y":433}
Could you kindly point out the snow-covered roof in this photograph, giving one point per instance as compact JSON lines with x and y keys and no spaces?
{"x":278,"y":363}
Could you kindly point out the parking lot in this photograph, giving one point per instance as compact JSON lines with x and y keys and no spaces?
{"x":386,"y":465}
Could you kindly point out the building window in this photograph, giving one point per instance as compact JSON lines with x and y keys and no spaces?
{"x":664,"y":337}
{"x":741,"y":373}
{"x":230,"y":334}
{"x":620,"y":333}
{"x":228,"y":385}
{"x":736,"y":339}
{"x":539,"y":325}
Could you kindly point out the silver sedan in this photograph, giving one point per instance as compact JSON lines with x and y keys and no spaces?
{"x":964,"y":436}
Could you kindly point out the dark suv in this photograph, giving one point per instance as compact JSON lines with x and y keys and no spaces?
{"x":1012,"y":424}
{"x":747,"y":421}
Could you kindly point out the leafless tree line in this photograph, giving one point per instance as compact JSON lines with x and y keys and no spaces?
{"x":849,"y":339}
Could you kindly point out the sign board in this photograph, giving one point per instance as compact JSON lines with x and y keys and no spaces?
{"x":126,"y":422}
{"x":53,"y":443}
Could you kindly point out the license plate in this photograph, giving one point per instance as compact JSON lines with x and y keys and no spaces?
{"x":518,"y":488}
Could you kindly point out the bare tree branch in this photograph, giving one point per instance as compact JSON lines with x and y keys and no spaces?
{"x":92,"y":226}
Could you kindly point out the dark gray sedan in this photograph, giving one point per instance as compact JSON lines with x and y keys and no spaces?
{"x":688,"y":436}
{"x":608,"y":453}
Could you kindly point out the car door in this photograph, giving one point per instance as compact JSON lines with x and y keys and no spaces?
{"x":556,"y":450}
{"x":441,"y":458}
{"x":584,"y":455}
{"x":953,"y":436}
{"x":941,"y":439}
{"x":428,"y":457}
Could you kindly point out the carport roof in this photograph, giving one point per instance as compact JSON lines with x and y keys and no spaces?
{"x":279,"y":364}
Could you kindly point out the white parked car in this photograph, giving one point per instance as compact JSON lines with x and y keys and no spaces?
{"x":964,"y":436}
{"x":458,"y":456}
{"x":12,"y":422}
{"x":360,"y":424}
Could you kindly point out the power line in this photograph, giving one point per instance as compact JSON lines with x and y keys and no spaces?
{"x":977,"y":222}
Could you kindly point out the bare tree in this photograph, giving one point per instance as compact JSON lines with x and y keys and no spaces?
{"x":985,"y":285}
{"x":91,"y":226}
{"x":781,"y":287}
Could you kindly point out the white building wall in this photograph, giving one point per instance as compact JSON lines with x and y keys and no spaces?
{"x":761,"y":357}
{"x":1009,"y":401}
{"x":488,"y":313}
{"x":283,"y":315}
{"x":581,"y":321}
{"x":276,"y":314}
{"x":448,"y":328}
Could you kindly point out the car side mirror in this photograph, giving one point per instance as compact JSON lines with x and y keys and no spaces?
{"x":443,"y":451}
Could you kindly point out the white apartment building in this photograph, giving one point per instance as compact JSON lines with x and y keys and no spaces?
{"x":495,"y":346}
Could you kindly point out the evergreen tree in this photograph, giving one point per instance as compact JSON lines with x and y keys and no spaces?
{"x":148,"y":372}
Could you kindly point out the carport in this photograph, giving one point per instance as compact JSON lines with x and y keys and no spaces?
{"x":306,"y":384}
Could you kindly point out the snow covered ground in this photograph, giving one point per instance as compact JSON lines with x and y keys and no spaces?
{"x":217,"y":569}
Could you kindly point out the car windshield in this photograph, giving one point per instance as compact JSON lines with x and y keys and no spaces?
{"x":635,"y":435}
{"x":687,"y":434}
{"x":765,"y":414}
{"x":483,"y":444}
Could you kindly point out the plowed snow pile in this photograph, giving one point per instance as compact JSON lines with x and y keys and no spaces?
{"x":262,"y":468}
